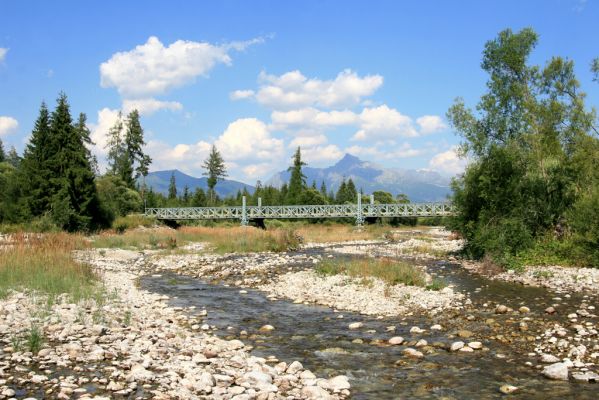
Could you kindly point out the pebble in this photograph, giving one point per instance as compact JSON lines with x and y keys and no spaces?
{"x":355,"y":325}
{"x":266,"y":328}
{"x":524,"y":310}
{"x":557,"y":371}
{"x":396,"y":340}
{"x":455,"y":346}
{"x":507,"y":389}
{"x":412,"y":353}
{"x":500,"y":309}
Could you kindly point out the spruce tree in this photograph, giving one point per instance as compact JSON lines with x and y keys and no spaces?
{"x":323,"y":190}
{"x":185,"y":199}
{"x":215,"y":170}
{"x":297,"y":181}
{"x":2,"y":153}
{"x":172,"y":188}
{"x":74,"y":204}
{"x":35,"y":172}
{"x":351,"y":192}
{"x":199,"y":198}
{"x":341,"y":196}
{"x":13,"y":157}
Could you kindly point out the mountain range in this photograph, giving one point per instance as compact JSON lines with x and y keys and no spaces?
{"x":418,"y":185}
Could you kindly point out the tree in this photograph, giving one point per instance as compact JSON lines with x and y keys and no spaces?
{"x":35,"y":172}
{"x":2,"y":153}
{"x":215,"y":170}
{"x":116,"y":198}
{"x":126,"y":157}
{"x":186,"y":198}
{"x":172,"y":188}
{"x":530,"y":149}
{"x":351,"y":192}
{"x":74,"y":204}
{"x":382,"y":197}
{"x":595,"y":69}
{"x":323,"y":190}
{"x":199,"y":198}
{"x":297,"y":181}
{"x":341,"y":196}
{"x":13,"y":157}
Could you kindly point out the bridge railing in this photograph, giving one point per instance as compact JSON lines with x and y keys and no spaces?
{"x":358,"y":211}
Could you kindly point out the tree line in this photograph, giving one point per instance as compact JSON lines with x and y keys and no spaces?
{"x":530,"y":194}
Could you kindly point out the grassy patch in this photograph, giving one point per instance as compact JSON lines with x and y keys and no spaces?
{"x":43,"y":263}
{"x":390,"y":271}
{"x":436,"y":284}
{"x":221,"y":239}
{"x":121,"y":224}
{"x":324,"y":233}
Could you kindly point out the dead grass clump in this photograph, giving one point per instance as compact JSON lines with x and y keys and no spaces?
{"x":390,"y":271}
{"x":319,"y":233}
{"x":43,"y":262}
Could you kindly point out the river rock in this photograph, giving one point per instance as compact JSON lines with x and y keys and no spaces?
{"x":557,"y":371}
{"x":416,"y":329}
{"x":267,"y":328}
{"x":436,"y":327}
{"x":338,"y":383}
{"x":412,"y":353}
{"x":524,"y":310}
{"x":455,"y":346}
{"x":507,"y":389}
{"x":475,"y":345}
{"x":396,"y":340}
{"x":587,"y":376}
{"x":315,"y":393}
{"x":549,"y":359}
{"x":464,"y":333}
{"x":550,"y":310}
{"x":356,"y":325}
{"x":500,"y":309}
{"x":294,"y":367}
{"x":139,"y":373}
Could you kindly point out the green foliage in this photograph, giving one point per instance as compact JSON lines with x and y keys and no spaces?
{"x":382,"y":197}
{"x":215,"y":170}
{"x":34,"y":339}
{"x":297,"y":181}
{"x":390,"y":271}
{"x":533,"y":158}
{"x":116,"y":197}
{"x":2,"y":153}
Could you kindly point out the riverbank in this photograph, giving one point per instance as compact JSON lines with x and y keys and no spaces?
{"x":134,"y":344}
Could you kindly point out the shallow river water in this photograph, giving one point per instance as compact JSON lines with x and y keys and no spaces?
{"x":318,"y":338}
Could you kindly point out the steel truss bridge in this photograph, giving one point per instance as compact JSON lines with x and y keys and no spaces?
{"x":358,"y":211}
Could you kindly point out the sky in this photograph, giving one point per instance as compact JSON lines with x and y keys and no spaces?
{"x":260,"y":78}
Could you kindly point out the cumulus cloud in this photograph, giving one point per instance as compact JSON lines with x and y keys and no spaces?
{"x":384,"y":123}
{"x":404,"y":150}
{"x":448,"y":162}
{"x":431,"y":124}
{"x":185,"y":157}
{"x":249,"y":138}
{"x":293,"y":90}
{"x":312,"y":118}
{"x":153,"y":68}
{"x":3,"y":52}
{"x":8,"y":125}
{"x":318,"y":154}
{"x":241,"y":94}
{"x":150,"y":105}
{"x":307,"y":141}
{"x":99,"y":131}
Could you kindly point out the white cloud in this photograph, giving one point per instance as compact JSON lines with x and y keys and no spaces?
{"x":384,"y":123}
{"x":99,"y":131}
{"x":257,"y":171}
{"x":307,"y":141}
{"x":318,"y":154}
{"x":430,"y":124}
{"x":8,"y":125}
{"x":404,"y":150}
{"x":151,"y":68}
{"x":185,"y":157}
{"x":150,"y":105}
{"x":3,"y":52}
{"x":249,"y":138}
{"x":448,"y":162}
{"x":312,"y":118}
{"x":293,"y":90}
{"x":241,"y":94}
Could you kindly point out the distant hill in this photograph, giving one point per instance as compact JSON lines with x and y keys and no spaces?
{"x":418,"y":185}
{"x":160,"y":180}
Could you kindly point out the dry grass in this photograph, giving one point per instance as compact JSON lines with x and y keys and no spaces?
{"x":221,"y":239}
{"x":318,"y":233}
{"x":390,"y":271}
{"x":44,"y":263}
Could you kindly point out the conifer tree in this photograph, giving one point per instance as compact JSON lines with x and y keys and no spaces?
{"x":186,"y":196}
{"x":199,"y":198}
{"x":323,"y":190}
{"x":74,"y":204}
{"x":172,"y":188}
{"x":341,"y":196}
{"x":35,"y":172}
{"x":2,"y":153}
{"x":351,"y":192}
{"x":215,"y":170}
{"x":297,"y":181}
{"x":13,"y":157}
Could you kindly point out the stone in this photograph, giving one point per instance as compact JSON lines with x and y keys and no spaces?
{"x":338,"y":383}
{"x":500,"y":309}
{"x":139,"y":373}
{"x":524,"y":310}
{"x":294,"y":367}
{"x":396,"y":340}
{"x":475,"y":345}
{"x":455,"y":346}
{"x":550,"y":310}
{"x":436,"y":327}
{"x":412,"y":353}
{"x":587,"y":376}
{"x":421,"y":343}
{"x":356,"y":325}
{"x":315,"y":393}
{"x":557,"y":371}
{"x":416,"y":329}
{"x":114,"y":386}
{"x":464,"y":333}
{"x":39,"y":378}
{"x":549,"y":359}
{"x":507,"y":389}
{"x":466,"y":349}
{"x":267,"y":328}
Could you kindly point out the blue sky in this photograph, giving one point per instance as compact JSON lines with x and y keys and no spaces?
{"x":259,"y":78}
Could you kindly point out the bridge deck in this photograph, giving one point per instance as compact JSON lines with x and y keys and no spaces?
{"x":358,"y":211}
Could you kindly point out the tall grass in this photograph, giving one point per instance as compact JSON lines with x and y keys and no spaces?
{"x":44,"y":263}
{"x":390,"y":271}
{"x":323,"y":233}
{"x":221,"y":239}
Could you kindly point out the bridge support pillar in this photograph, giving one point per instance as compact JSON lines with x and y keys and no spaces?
{"x":359,"y":215}
{"x":244,"y":212}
